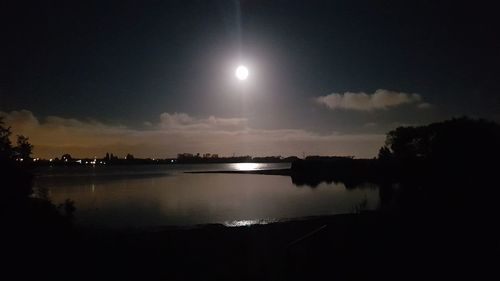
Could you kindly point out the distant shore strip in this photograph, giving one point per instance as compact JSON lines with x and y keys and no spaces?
{"x":279,"y":172}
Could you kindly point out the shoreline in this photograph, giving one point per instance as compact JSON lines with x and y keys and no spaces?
{"x":259,"y":223}
{"x":218,"y":252}
{"x":342,"y":247}
{"x":301,"y":249}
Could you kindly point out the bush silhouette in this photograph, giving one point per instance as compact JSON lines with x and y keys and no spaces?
{"x":457,"y":145}
{"x":20,"y":209}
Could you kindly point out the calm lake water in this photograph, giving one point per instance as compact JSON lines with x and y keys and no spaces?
{"x":159,"y":195}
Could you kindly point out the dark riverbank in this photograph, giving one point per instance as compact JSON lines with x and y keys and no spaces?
{"x":366,"y":246}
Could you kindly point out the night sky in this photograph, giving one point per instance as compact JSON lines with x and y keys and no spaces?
{"x":156,"y":78}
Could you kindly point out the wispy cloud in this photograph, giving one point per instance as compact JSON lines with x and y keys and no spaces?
{"x":370,"y":125}
{"x":424,"y":105}
{"x":180,"y":132}
{"x":185,"y":122}
{"x":381,"y":99}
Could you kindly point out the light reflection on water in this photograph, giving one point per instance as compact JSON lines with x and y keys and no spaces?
{"x":163,"y":195}
{"x":248,"y":166}
{"x":247,"y":222}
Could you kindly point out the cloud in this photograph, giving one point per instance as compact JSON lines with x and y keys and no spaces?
{"x":179,"y":132}
{"x":182,"y":121}
{"x":370,"y":125}
{"x":381,"y":99}
{"x":424,"y":105}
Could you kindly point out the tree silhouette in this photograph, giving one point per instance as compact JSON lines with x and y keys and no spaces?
{"x":460,"y":140}
{"x":5,"y":143}
{"x":16,"y":178}
{"x":24,"y":148}
{"x":385,"y":153}
{"x":17,"y":186}
{"x":448,"y":165}
{"x":66,"y":157}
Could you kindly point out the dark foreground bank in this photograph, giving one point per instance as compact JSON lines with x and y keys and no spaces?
{"x":367,"y":246}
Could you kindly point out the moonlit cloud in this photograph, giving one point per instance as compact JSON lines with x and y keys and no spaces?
{"x":179,"y":132}
{"x":185,"y":122}
{"x":424,"y":105}
{"x":381,"y":99}
{"x":370,"y":125}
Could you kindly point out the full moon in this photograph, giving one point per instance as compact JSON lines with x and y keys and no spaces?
{"x":241,"y":72}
